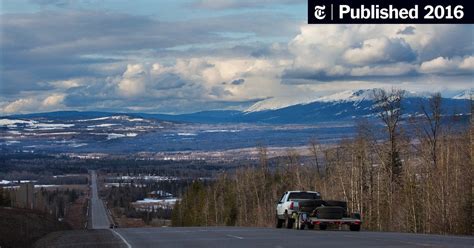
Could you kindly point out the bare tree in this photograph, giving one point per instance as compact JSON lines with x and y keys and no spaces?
{"x":388,"y":107}
{"x":432,"y":128}
{"x":314,"y":149}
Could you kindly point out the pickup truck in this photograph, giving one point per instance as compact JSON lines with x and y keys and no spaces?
{"x":300,"y":209}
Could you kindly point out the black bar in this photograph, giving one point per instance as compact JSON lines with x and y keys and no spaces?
{"x":390,"y":12}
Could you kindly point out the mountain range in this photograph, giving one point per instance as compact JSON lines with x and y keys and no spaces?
{"x":342,"y":106}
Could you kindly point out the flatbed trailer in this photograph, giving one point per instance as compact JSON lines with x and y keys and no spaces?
{"x":303,"y":220}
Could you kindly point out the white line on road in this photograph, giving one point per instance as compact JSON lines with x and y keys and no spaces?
{"x":122,"y":238}
{"x":233,"y":236}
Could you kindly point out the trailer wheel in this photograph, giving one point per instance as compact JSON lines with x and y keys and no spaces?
{"x":289,"y":221}
{"x":354,"y":228}
{"x":279,"y":222}
{"x":323,"y":226}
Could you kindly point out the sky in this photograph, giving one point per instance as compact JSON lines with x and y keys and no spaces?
{"x":170,"y":56}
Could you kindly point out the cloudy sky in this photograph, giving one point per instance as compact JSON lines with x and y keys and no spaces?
{"x":172,"y":56}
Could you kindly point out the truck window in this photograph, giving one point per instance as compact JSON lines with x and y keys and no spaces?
{"x":282,"y":197}
{"x":304,"y":196}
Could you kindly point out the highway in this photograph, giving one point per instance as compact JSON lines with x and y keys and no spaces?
{"x":230,"y":237}
{"x":99,"y":218}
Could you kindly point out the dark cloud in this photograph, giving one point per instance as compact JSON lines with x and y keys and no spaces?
{"x":380,"y":51}
{"x":238,"y":81}
{"x":450,"y":41}
{"x":93,"y":94}
{"x":407,"y":31}
{"x":220,"y":91}
{"x":169,"y":81}
{"x":308,"y":76}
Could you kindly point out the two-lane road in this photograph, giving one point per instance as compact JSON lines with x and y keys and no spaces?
{"x":99,"y":218}
{"x":230,"y":237}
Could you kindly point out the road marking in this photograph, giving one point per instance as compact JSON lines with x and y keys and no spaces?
{"x":390,"y":239}
{"x":122,"y":238}
{"x":233,"y":236}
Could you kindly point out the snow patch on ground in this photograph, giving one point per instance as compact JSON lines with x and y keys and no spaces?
{"x":187,"y":134}
{"x":221,"y":131}
{"x":8,"y":122}
{"x":115,"y":117}
{"x":48,"y":126}
{"x":59,"y":133}
{"x":120,"y":135}
{"x":103,"y":125}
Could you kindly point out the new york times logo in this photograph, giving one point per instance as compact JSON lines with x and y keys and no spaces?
{"x":390,"y":11}
{"x":319,"y":12}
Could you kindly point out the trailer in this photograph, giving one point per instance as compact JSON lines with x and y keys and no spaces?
{"x":304,"y":220}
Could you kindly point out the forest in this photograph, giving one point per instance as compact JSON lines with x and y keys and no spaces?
{"x":403,"y":174}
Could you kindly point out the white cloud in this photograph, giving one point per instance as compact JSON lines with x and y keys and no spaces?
{"x":34,"y":104}
{"x":134,"y":80}
{"x":70,"y":83}
{"x":467,"y":64}
{"x":53,"y":101}
{"x":20,"y":105}
{"x":328,"y":53}
{"x":441,"y":65}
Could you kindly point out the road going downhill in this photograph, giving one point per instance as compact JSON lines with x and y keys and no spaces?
{"x":230,"y":237}
{"x":98,"y":213}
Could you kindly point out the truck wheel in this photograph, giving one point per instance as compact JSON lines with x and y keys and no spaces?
{"x":354,"y":228}
{"x":279,"y":222}
{"x":301,"y":224}
{"x":301,"y":227}
{"x":289,"y":222}
{"x":323,"y":226}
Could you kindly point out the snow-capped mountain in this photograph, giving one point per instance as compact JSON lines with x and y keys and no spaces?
{"x":278,"y":103}
{"x":275,"y":103}
{"x":465,"y":94}
{"x":340,"y":106}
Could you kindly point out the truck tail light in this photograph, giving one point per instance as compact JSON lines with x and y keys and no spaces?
{"x":291,"y":205}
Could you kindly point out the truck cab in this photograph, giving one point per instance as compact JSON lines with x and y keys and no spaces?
{"x":289,"y":204}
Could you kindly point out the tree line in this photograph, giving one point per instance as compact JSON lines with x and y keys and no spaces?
{"x":404,"y":174}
